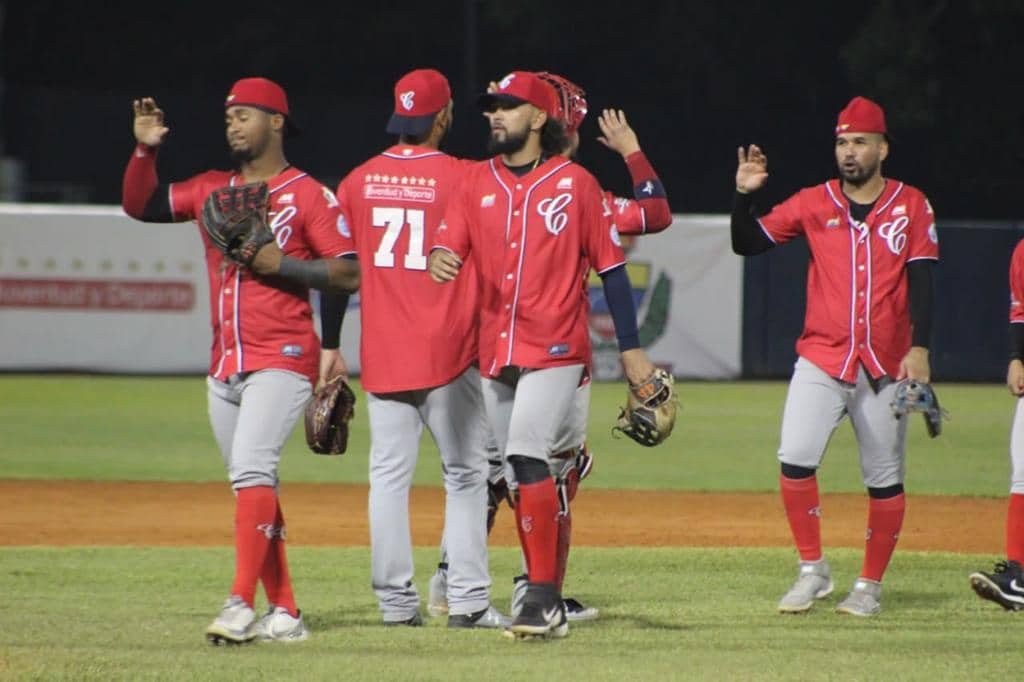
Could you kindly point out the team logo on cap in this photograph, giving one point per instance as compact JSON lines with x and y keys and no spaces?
{"x":230,"y":97}
{"x":506,"y":81}
{"x":406,"y":99}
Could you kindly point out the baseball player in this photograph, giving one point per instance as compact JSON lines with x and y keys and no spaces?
{"x":648,"y":212}
{"x":392,"y":204}
{"x":534,"y":223}
{"x":265,"y":354}
{"x":873,"y":247}
{"x":1005,"y":585}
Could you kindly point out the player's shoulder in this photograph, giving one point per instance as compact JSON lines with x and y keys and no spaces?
{"x":300,"y":183}
{"x":910,"y":191}
{"x":567,"y":168}
{"x":1018,"y":251}
{"x":210,"y":179}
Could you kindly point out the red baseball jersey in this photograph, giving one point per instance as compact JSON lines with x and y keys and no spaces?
{"x":857,"y":301}
{"x":261,"y":323}
{"x":1017,"y":284}
{"x":415,"y":333}
{"x":534,"y":239}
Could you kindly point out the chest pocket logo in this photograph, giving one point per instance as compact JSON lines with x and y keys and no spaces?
{"x":894,"y":233}
{"x":552,"y":210}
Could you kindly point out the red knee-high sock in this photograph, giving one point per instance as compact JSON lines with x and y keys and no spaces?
{"x":255,"y":509}
{"x":885,"y":518}
{"x":1015,"y":529}
{"x":536,"y":513}
{"x":276,"y":579}
{"x":803,"y":509}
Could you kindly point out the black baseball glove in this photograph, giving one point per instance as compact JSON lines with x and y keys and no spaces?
{"x":235,"y":218}
{"x":650,"y":412}
{"x":917,"y":396}
{"x":327,"y":417}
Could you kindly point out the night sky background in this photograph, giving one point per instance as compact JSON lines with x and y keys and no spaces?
{"x":696,"y":80}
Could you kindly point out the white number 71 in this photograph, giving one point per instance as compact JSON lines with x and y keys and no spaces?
{"x":393,"y":219}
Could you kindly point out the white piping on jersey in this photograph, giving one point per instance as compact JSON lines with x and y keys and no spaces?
{"x":288,"y":182}
{"x":170,"y":197}
{"x":869,"y":297}
{"x":424,"y":155}
{"x":878,"y":211}
{"x":220,"y":313}
{"x":238,"y":320}
{"x":766,"y":232}
{"x":643,"y":219}
{"x":522,"y":245}
{"x":911,"y":260}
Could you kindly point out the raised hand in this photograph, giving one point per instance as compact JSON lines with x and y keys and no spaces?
{"x":616,"y":133}
{"x":149,"y":125}
{"x":752,"y":169}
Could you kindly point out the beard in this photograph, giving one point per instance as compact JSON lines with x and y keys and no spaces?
{"x":513,"y":142}
{"x":858,"y":175}
{"x":242,"y":155}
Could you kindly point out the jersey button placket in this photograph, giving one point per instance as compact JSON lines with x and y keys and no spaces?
{"x":858,"y":301}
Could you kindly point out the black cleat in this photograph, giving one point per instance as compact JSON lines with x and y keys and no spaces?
{"x":542,"y":616}
{"x":415,"y":621}
{"x":1005,"y":586}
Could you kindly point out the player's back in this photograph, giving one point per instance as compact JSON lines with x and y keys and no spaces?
{"x":415,"y":333}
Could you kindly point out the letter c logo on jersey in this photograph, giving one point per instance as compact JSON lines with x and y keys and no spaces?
{"x":894,"y":233}
{"x":552,"y":210}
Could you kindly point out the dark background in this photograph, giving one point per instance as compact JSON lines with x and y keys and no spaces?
{"x":696,"y":79}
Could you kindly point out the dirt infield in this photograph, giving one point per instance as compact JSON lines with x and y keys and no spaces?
{"x":175,"y":514}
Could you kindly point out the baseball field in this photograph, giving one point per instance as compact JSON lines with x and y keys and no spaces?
{"x":115,"y":526}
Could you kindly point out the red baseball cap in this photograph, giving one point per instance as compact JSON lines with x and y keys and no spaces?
{"x":861,"y":115}
{"x":419,"y":95}
{"x":264,"y":94}
{"x":521,"y":87}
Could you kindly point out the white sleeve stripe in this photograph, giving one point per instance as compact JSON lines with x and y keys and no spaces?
{"x":611,"y":267}
{"x":934,"y":258}
{"x":766,"y":232}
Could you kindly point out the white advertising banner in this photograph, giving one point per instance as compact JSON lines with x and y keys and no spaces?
{"x":688,"y":286}
{"x":86,"y":288}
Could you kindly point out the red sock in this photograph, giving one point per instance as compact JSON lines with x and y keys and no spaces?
{"x":255,"y":509}
{"x":276,"y":580}
{"x":1015,"y":529}
{"x":800,"y":498}
{"x":885,"y":518}
{"x":536,"y":513}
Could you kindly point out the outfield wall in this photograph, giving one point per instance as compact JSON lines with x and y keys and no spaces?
{"x":86,"y":288}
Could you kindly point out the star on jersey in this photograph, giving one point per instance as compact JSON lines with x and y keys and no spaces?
{"x":648,"y":187}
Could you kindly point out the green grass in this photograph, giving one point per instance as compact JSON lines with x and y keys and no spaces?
{"x":115,"y":428}
{"x":136,"y":613}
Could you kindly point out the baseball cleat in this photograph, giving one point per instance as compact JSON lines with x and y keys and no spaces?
{"x":576,"y":612}
{"x":236,"y":623}
{"x":485,"y":618}
{"x":437,"y":592}
{"x":1004,"y":586}
{"x":542,"y":616}
{"x":813,"y":582}
{"x":865,"y":599}
{"x":277,"y":625}
{"x":414,"y":621}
